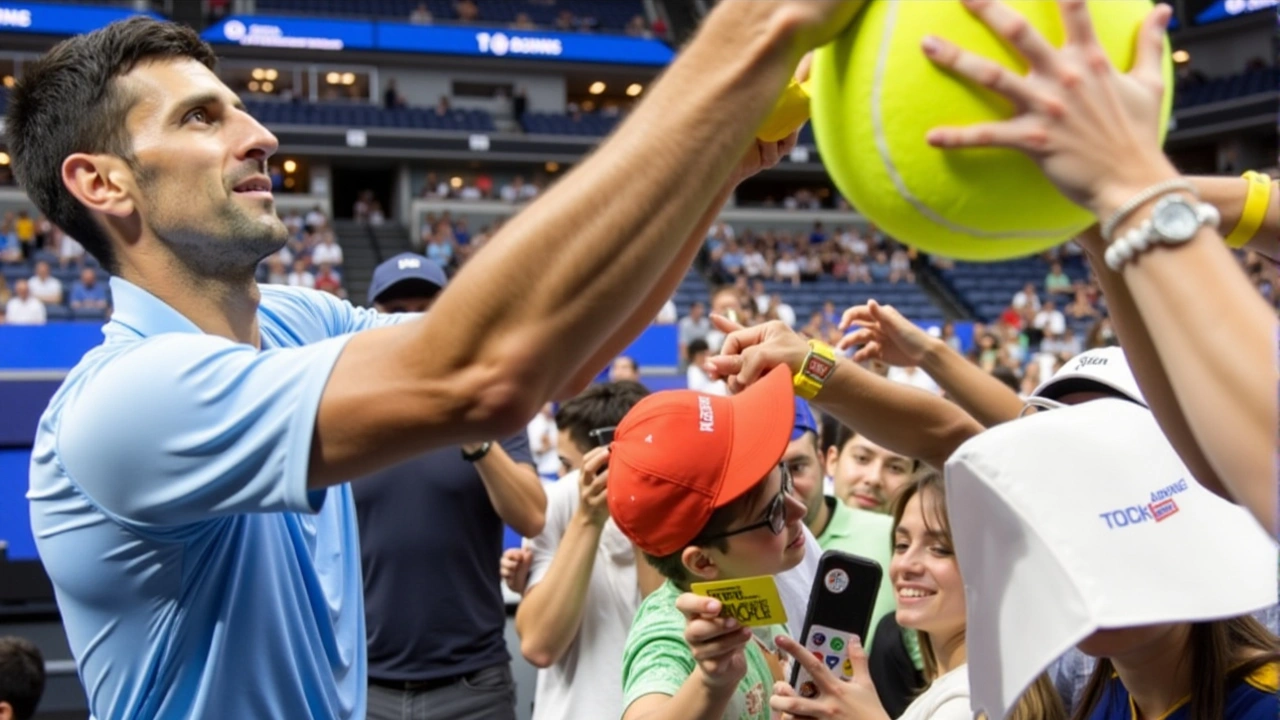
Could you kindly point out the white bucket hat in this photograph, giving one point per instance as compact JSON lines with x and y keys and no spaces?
{"x":1114,"y":533}
{"x":1104,"y":369}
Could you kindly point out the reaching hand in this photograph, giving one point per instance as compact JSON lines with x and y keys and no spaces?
{"x":1093,"y":130}
{"x":718,"y":644}
{"x":884,"y":335}
{"x":514,"y":569}
{"x":593,"y":485}
{"x":749,"y":353}
{"x":852,"y":700}
{"x":762,"y":155}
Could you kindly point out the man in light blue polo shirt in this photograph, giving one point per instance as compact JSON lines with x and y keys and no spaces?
{"x":187,"y":492}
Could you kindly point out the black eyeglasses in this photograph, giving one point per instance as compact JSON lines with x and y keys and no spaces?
{"x":776,"y":517}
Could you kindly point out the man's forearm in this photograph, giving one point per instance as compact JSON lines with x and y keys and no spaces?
{"x":649,"y":308}
{"x":693,"y":701}
{"x":514,"y":490}
{"x":985,"y":398}
{"x":1217,"y":343}
{"x":1228,"y":194}
{"x":901,"y":418}
{"x":553,"y":285}
{"x":551,"y":612}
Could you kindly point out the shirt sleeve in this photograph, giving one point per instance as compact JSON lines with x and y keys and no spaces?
{"x":186,"y":427}
{"x":561,"y":504}
{"x":655,"y":662}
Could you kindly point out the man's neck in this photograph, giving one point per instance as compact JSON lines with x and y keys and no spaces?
{"x":1158,"y":675}
{"x":823,"y":518}
{"x":228,"y":308}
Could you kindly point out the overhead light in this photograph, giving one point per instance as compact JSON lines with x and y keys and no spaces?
{"x":348,"y":78}
{"x":588,"y":105}
{"x":4,"y":158}
{"x":552,"y":167}
{"x":268,"y":87}
{"x":333,"y":78}
{"x":253,"y":86}
{"x":455,"y":182}
{"x":290,"y":166}
{"x":272,"y":74}
{"x":259,"y":73}
{"x":9,"y":81}
{"x":1181,"y":56}
{"x":596,"y":88}
{"x":634,"y":89}
{"x":289,"y":183}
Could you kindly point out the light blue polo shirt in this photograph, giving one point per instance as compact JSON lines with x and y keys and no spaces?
{"x":196,"y":574}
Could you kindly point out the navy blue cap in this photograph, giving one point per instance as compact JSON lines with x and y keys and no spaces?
{"x":405,"y":266}
{"x":804,"y":420}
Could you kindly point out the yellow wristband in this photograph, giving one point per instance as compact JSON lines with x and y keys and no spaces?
{"x":1255,"y":210}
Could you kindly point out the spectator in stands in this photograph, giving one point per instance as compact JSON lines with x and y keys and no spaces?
{"x":787,"y":268}
{"x":584,"y":582}
{"x":430,"y":543}
{"x":780,"y":310}
{"x":1057,"y":282}
{"x":880,"y":268}
{"x":301,"y":276}
{"x":624,"y":368}
{"x":328,"y":251}
{"x":22,"y":677}
{"x":696,"y":377}
{"x":637,"y":26}
{"x":565,"y":21}
{"x":440,"y":249}
{"x":276,"y":273}
{"x":420,"y":16}
{"x":694,"y":326}
{"x":725,"y":302}
{"x":948,"y":336}
{"x":754,"y":265}
{"x":523,"y":22}
{"x":391,"y":98}
{"x":25,"y":228}
{"x":329,"y":281}
{"x":1050,"y":321}
{"x":1027,"y":299}
{"x":5,"y":294}
{"x":44,"y":286}
{"x":542,"y":441}
{"x":88,"y":293}
{"x":24,"y":308}
{"x":1101,"y":334}
{"x":900,"y":267}
{"x":1080,"y":307}
{"x":10,"y":248}
{"x":864,"y":474}
{"x":858,"y":271}
{"x":467,"y":10}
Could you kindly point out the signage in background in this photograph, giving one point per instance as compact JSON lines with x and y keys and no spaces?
{"x":53,"y":19}
{"x":1228,"y":9}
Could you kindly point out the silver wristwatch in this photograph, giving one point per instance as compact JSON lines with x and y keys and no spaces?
{"x":1174,"y":220}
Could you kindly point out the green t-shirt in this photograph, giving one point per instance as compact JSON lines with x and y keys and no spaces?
{"x":657,"y":659}
{"x":870,"y":535}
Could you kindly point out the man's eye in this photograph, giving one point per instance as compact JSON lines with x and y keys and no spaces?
{"x":198,"y":114}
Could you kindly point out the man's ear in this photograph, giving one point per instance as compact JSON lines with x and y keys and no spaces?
{"x":6,"y":711}
{"x":699,"y":563}
{"x":833,"y":458}
{"x":103,"y":183}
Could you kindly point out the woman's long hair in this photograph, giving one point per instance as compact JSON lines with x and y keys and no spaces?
{"x":1040,"y":701}
{"x":1222,"y":653}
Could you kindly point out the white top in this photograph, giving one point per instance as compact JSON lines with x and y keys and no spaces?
{"x":587,"y":680}
{"x":668,"y":314}
{"x":914,"y":377}
{"x":69,"y":248}
{"x":698,"y":381}
{"x":47,"y":289}
{"x":946,"y":699}
{"x":302,"y":279}
{"x":24,"y":312}
{"x":787,"y":267}
{"x":540,"y":428}
{"x":327,"y":253}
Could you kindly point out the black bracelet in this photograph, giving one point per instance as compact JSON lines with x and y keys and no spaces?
{"x":478,"y":454}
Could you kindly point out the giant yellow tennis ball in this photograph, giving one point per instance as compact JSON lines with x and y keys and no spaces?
{"x":875,"y":95}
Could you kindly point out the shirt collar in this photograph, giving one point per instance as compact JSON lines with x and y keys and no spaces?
{"x":143,"y":314}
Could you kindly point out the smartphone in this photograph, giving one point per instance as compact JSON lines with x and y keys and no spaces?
{"x":840,"y":606}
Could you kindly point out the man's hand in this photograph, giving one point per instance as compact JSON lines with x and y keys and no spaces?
{"x":749,"y":353}
{"x":884,"y":335}
{"x":763,"y":155}
{"x":718,"y":644}
{"x":514,"y":569}
{"x":593,"y":485}
{"x":856,"y":698}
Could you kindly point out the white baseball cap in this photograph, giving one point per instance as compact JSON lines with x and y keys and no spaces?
{"x":1104,"y":369}
{"x":1115,"y":533}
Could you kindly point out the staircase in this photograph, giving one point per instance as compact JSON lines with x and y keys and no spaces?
{"x":362,"y":249}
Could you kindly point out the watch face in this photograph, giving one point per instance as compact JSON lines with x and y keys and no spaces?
{"x":818,"y":367}
{"x":1176,"y":220}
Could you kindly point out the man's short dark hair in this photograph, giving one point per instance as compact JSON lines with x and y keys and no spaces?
{"x":601,"y":405}
{"x":67,"y":102}
{"x":21,"y":675}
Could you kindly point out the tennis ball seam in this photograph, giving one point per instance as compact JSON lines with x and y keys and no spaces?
{"x":891,"y":169}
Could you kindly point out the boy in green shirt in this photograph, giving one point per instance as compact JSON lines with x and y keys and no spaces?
{"x":696,"y":482}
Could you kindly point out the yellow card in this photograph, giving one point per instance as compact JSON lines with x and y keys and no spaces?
{"x":753,"y":601}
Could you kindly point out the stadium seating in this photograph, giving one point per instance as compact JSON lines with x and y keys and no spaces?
{"x":608,"y":14}
{"x":809,"y":297}
{"x":987,"y":288}
{"x":1250,"y":82}
{"x":364,"y":115}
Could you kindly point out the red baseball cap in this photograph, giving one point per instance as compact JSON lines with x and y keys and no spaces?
{"x":679,"y":455}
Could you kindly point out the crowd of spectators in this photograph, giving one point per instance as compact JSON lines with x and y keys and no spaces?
{"x":481,"y":186}
{"x":859,"y":256}
{"x":566,"y":20}
{"x":311,"y":258}
{"x":47,"y":273}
